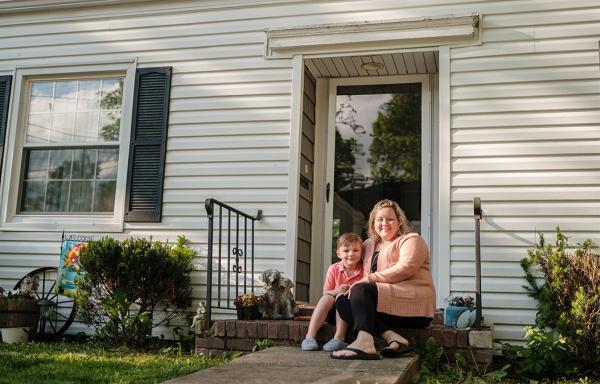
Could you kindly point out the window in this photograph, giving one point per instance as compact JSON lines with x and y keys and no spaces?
{"x":80,"y":143}
{"x":71,"y":146}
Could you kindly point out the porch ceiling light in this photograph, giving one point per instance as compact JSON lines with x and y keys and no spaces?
{"x":372,"y":66}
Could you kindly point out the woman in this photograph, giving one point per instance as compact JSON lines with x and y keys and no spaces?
{"x":396,"y":292}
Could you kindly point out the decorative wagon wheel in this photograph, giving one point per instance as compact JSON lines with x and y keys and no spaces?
{"x":62,"y":309}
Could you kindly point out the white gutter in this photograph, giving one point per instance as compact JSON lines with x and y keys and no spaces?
{"x":19,"y":6}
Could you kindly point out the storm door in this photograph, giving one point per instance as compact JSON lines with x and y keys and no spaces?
{"x":380,"y":150}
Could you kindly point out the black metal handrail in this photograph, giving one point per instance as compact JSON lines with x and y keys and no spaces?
{"x":477,"y":216}
{"x":237,"y":251}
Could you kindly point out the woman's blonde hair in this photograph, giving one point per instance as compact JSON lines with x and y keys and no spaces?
{"x":404,"y":223}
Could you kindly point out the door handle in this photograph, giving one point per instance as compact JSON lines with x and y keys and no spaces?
{"x":327,"y":189}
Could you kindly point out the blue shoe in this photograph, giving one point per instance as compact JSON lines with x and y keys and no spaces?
{"x":309,"y":344}
{"x":334,"y":345}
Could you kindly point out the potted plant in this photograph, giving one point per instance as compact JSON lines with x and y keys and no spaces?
{"x":19,"y":311}
{"x":249,"y":306}
{"x":456,"y":306}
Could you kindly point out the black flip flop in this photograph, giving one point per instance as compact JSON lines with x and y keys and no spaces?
{"x":396,"y":352}
{"x":360,"y":355}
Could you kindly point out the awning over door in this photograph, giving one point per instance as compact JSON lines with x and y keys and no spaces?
{"x":372,"y":35}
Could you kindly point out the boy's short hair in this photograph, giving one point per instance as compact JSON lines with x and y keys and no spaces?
{"x":348,"y":238}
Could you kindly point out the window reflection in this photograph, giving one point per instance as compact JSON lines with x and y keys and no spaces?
{"x":72,"y":176}
{"x":70,"y":180}
{"x":377,"y":153}
{"x":74,"y":111}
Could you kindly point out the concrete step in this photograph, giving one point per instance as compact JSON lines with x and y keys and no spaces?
{"x":294,"y":366}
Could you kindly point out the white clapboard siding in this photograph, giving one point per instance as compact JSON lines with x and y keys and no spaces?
{"x":522,"y":224}
{"x":231,"y":196}
{"x":526,"y":163}
{"x":542,"y":148}
{"x":549,"y":17}
{"x":194,"y":209}
{"x":532,"y":89}
{"x":558,"y":59}
{"x":521,"y":119}
{"x":504,"y":253}
{"x":508,"y":238}
{"x":489,"y":284}
{"x":571,"y":102}
{"x":527,"y":193}
{"x":228,"y":129}
{"x":488,"y":269}
{"x":218,"y":155}
{"x":530,"y":208}
{"x":558,"y":178}
{"x":524,"y":124}
{"x":221,"y":143}
{"x":185,"y":91}
{"x":561,"y":132}
{"x":525,"y":75}
{"x":230,"y":168}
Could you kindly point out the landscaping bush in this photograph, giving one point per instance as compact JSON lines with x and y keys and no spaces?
{"x":132,"y":286}
{"x":566,"y":339}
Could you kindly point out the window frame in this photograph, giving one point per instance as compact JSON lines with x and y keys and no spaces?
{"x":12,"y":172}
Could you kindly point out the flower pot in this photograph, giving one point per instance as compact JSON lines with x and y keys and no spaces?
{"x":19,"y":313}
{"x":15,"y":335}
{"x":248,"y":313}
{"x":452,"y":314}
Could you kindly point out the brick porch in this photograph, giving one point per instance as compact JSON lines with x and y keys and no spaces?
{"x":239,"y":335}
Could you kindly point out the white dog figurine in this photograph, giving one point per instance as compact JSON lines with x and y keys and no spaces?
{"x":281,"y":304}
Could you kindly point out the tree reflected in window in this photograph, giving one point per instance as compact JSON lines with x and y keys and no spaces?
{"x":81,"y":119}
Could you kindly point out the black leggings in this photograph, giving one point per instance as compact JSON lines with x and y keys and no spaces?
{"x":359,"y":311}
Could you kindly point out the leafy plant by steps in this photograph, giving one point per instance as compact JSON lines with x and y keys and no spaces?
{"x":132,"y":286}
{"x":566,"y":338}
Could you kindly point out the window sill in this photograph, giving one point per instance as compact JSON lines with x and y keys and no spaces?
{"x":59,"y":223}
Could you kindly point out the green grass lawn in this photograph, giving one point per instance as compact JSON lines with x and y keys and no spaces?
{"x":50,"y":363}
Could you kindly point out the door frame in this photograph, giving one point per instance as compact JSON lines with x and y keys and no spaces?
{"x":325,"y":152}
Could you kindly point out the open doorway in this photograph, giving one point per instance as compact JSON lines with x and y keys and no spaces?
{"x":363,"y":116}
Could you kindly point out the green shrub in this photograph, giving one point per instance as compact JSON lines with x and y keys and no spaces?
{"x":567,"y":337}
{"x":546,"y":354}
{"x":132,"y":286}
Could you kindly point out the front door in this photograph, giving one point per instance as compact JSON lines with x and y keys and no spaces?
{"x":378,"y":148}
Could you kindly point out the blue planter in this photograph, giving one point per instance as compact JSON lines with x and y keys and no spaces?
{"x":452,"y":313}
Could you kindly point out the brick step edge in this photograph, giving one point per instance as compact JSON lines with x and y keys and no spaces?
{"x":474,"y":345}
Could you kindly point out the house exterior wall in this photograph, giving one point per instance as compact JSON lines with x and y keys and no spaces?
{"x":524,"y":104}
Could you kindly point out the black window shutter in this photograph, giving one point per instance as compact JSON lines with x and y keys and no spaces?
{"x":5,"y":82}
{"x":145,"y":173}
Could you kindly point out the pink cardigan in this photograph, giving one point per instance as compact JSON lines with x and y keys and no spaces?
{"x":404,"y":282}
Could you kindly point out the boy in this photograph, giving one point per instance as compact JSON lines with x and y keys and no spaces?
{"x":340,"y":276}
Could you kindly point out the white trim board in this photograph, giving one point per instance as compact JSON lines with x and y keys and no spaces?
{"x":317,"y":273}
{"x":368,"y":35}
{"x":444,"y":180}
{"x":291,"y":229}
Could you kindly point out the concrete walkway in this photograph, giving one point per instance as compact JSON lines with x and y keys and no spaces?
{"x":291,"y":365}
